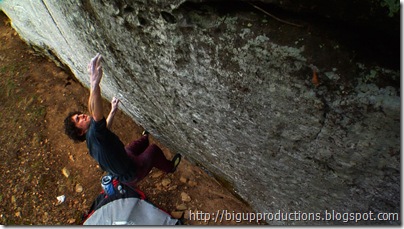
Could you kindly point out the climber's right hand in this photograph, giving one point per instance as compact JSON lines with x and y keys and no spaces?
{"x":95,"y":70}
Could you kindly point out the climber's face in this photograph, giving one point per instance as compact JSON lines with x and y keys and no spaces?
{"x":81,"y":121}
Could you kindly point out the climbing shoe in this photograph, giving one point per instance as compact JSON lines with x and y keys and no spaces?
{"x":145,"y":132}
{"x":176,"y":160}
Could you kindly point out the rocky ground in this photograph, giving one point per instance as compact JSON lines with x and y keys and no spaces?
{"x":39,"y":163}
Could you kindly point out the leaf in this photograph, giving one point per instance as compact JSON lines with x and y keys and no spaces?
{"x":315,"y":80}
{"x":65,"y":172}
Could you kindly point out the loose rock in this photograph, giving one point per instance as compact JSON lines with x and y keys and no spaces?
{"x":177,"y":214}
{"x":181,"y":207}
{"x":157,"y":174}
{"x":71,"y":221}
{"x":183,"y":179}
{"x":192,"y":183}
{"x":166,"y":182}
{"x":172,"y":188}
{"x":79,"y":188}
{"x":185,"y":197}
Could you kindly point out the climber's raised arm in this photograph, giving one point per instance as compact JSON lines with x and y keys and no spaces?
{"x":95,"y":99}
{"x":114,"y":108}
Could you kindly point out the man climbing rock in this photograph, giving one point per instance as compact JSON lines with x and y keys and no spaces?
{"x":129,"y":164}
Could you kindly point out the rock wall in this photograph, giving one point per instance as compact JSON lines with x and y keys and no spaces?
{"x":231,"y":89}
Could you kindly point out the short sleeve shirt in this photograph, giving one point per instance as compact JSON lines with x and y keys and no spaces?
{"x":109,"y":151}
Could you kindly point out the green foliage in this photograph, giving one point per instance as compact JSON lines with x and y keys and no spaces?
{"x":393,"y":5}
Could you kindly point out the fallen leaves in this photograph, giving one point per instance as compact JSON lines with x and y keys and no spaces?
{"x":315,"y":80}
{"x":61,"y":199}
{"x":66,"y":172}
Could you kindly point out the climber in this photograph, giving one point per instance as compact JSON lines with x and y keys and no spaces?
{"x":129,"y":164}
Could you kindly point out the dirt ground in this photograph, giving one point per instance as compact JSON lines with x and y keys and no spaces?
{"x":39,"y":162}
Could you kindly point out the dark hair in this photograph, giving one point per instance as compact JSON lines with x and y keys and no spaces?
{"x":71,"y":130}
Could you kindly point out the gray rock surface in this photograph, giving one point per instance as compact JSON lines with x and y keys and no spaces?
{"x":232,"y":91}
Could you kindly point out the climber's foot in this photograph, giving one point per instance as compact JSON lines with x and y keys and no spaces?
{"x":176,"y":160}
{"x":145,"y":132}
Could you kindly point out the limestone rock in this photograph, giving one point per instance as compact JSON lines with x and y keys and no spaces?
{"x":233,"y":98}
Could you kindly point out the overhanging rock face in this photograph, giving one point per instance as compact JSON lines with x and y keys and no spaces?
{"x":215,"y":86}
